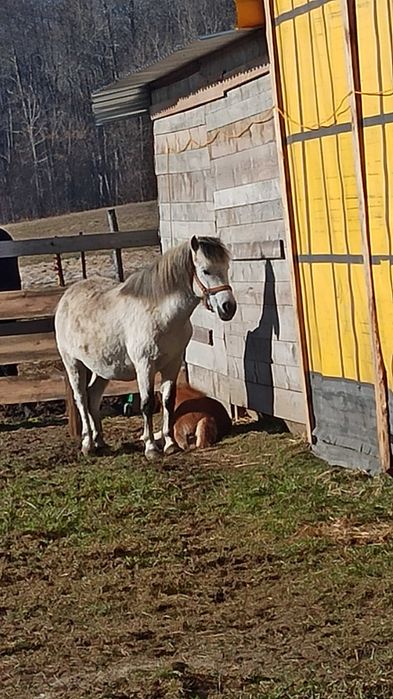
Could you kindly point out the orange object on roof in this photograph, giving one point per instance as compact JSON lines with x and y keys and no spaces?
{"x":250,"y":13}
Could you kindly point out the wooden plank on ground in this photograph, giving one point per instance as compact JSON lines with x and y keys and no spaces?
{"x":78,"y":243}
{"x":29,"y":303}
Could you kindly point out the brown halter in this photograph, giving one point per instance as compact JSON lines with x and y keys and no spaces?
{"x":206,"y":292}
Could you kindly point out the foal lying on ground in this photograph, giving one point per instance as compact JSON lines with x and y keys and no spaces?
{"x":199,"y":421}
{"x":138,"y":328}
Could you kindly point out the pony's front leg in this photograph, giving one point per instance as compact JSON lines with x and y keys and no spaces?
{"x":168,"y":392}
{"x":145,"y":376}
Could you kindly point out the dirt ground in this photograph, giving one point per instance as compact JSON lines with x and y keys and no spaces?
{"x":249,"y":570}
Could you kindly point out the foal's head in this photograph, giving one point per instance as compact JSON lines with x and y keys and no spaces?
{"x":210,"y":282}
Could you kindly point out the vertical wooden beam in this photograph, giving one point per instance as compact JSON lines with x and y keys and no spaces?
{"x":348,"y":10}
{"x":114,"y":227}
{"x":83,"y":261}
{"x":289,"y":219}
{"x":59,"y":270}
{"x":74,"y":421}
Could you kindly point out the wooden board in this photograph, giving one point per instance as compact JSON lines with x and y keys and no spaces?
{"x":182,"y":230}
{"x":256,"y":293}
{"x":178,"y":122}
{"x":228,"y":114}
{"x":241,"y":135}
{"x":29,"y":304}
{"x":250,"y":214}
{"x":185,"y":187}
{"x":254,"y":232}
{"x":28,"y":348}
{"x":288,"y":405}
{"x":247,"y":194}
{"x":78,"y":243}
{"x":253,"y":165}
{"x":257,"y":250}
{"x":277,"y":375}
{"x":187,"y":211}
{"x":263,"y":350}
{"x":189,"y":161}
{"x":255,"y":271}
{"x":16,"y":390}
{"x":188,"y":138}
{"x":26,"y":327}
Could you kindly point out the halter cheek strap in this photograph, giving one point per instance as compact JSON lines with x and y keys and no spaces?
{"x":207,"y":292}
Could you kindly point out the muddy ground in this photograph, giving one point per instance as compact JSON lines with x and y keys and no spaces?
{"x":249,"y":570}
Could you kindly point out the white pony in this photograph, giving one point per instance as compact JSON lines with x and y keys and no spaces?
{"x":137,"y":328}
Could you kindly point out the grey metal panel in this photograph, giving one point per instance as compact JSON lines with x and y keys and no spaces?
{"x":351,"y":440}
{"x":131,"y":95}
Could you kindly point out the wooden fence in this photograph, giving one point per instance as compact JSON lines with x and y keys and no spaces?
{"x":27,"y":327}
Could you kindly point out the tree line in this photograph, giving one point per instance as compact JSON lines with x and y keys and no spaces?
{"x":53,"y":54}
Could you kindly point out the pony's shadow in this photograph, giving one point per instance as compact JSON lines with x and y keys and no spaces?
{"x":265,"y":423}
{"x":29,"y":424}
{"x":258,"y":359}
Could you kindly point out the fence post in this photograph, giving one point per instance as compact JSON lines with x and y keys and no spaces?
{"x":83,"y":261}
{"x":74,"y":421}
{"x":114,"y":228}
{"x":59,"y":269}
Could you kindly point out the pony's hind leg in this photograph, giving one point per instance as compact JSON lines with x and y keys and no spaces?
{"x":95,"y":390}
{"x":78,"y":378}
{"x":145,"y":377}
{"x":206,"y":433}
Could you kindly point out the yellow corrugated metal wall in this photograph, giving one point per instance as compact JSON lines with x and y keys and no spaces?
{"x":313,"y":76}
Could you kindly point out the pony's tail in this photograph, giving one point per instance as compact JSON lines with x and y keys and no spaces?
{"x":206,"y":433}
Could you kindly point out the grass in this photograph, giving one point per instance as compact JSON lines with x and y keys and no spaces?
{"x":133,"y":216}
{"x":248,"y":571}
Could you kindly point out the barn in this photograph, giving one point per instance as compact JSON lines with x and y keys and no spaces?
{"x":275,"y":136}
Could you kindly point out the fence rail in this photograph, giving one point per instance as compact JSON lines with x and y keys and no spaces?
{"x":88,"y":242}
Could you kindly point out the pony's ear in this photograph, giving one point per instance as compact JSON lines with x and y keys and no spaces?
{"x":194,"y":243}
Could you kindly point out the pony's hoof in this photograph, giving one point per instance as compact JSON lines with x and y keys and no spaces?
{"x":152,"y":454}
{"x":88,"y":450}
{"x":171,"y":449}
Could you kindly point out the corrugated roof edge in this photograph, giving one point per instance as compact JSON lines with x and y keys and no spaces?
{"x":130,"y":95}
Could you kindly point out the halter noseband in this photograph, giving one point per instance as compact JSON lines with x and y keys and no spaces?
{"x":206,"y":292}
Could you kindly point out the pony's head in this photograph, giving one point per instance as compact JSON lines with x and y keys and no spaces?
{"x":210,"y":283}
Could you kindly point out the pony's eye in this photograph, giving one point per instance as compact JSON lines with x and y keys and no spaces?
{"x":206,"y":272}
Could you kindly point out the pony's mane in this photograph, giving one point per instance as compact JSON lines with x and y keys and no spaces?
{"x":172,"y":271}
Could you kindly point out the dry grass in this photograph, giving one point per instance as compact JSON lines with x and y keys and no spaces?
{"x":131,"y":217}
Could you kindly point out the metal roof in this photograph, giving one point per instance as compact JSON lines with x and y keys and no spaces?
{"x":131,"y":95}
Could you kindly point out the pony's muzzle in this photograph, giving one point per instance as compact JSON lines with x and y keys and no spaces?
{"x":227,"y":309}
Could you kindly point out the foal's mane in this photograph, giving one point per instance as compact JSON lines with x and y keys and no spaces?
{"x":172,"y":271}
